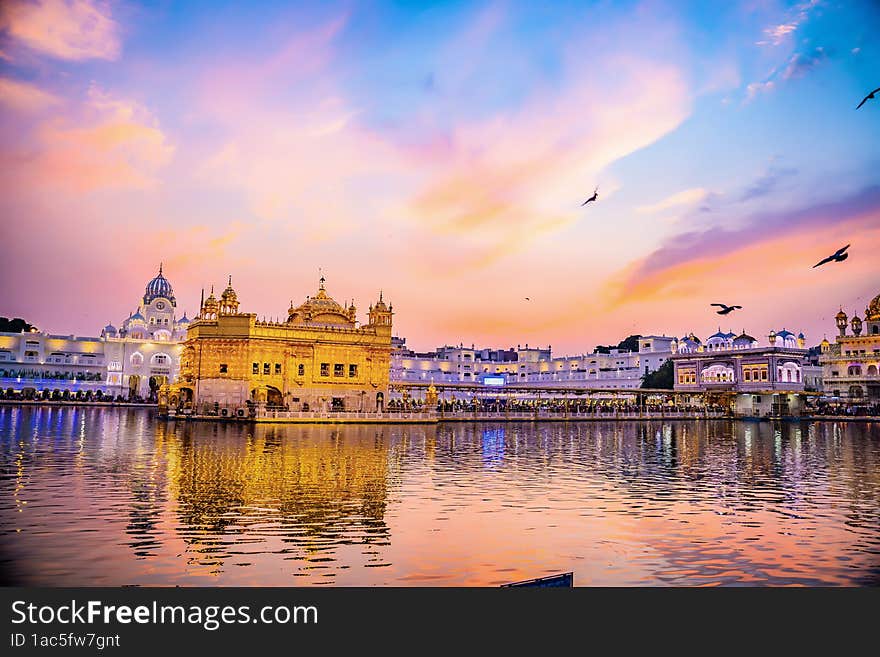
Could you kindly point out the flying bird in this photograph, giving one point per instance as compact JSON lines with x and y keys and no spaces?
{"x":725,"y":309}
{"x":592,"y":198}
{"x":527,"y":299}
{"x":838,"y":256}
{"x":870,"y":96}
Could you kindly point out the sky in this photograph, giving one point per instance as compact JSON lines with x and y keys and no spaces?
{"x":441,"y":154}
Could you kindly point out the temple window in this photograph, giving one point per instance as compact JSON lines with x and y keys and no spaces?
{"x":224,"y":368}
{"x":352,"y":370}
{"x":338,"y":369}
{"x":266,"y":368}
{"x":256,"y":368}
{"x":301,"y":370}
{"x":277,"y":368}
{"x":325,"y":369}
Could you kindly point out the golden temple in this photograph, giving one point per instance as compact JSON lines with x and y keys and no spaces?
{"x":319,"y":359}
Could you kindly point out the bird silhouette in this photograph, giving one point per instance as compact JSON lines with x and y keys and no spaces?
{"x":527,"y":299}
{"x":837,"y":256}
{"x":725,"y":309}
{"x":592,"y":198}
{"x":870,"y":96}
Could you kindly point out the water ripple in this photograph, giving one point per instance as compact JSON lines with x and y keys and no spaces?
{"x":114,"y":497}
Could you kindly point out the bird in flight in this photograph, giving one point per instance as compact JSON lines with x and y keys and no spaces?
{"x":527,"y":299}
{"x":725,"y":309}
{"x":838,"y":256}
{"x":592,"y":198}
{"x":870,"y":96}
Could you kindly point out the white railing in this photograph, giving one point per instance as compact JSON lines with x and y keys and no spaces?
{"x":430,"y":416}
{"x":550,"y":415}
{"x":341,"y":415}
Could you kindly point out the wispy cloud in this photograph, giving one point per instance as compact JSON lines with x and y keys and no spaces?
{"x":796,"y":66}
{"x":65,"y":29}
{"x":768,"y":181}
{"x":688,"y":197}
{"x":671,"y":267}
{"x":802,"y":63}
{"x":99,"y":141}
{"x":25,"y":97}
{"x":780,"y":33}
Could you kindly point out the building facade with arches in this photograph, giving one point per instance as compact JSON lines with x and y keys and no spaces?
{"x":758,"y":380}
{"x":132,"y":361}
{"x":319,"y":359}
{"x":851,"y":365}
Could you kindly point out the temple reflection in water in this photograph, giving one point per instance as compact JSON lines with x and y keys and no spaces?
{"x":308,"y":490}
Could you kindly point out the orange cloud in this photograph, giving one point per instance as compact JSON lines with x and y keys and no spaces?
{"x":66,"y":29}
{"x":501,"y":181}
{"x":770,"y":274}
{"x":103,"y":141}
{"x":683,"y":198}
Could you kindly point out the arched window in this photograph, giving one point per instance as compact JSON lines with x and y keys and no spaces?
{"x":790,"y":373}
{"x":717,"y":374}
{"x":137,"y":359}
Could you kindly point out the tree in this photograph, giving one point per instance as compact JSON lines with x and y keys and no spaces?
{"x":628,"y":344}
{"x":661,"y":378}
{"x":16,"y":325}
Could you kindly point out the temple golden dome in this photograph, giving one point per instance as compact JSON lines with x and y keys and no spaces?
{"x":319,"y":309}
{"x":872,"y":312}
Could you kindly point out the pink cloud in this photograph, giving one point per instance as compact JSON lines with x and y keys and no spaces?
{"x":24,"y":97}
{"x":99,"y":142}
{"x":65,"y":29}
{"x":671,"y":268}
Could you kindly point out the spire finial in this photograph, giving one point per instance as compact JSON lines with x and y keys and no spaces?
{"x":212,"y":289}
{"x":230,"y":280}
{"x":380,"y":295}
{"x":160,"y":269}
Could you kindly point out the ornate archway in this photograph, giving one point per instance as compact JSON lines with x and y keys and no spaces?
{"x":274,"y":396}
{"x":134,"y":383}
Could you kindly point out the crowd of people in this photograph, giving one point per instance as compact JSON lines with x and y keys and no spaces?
{"x":553,"y":406}
{"x":851,"y":410}
{"x":47,"y":395}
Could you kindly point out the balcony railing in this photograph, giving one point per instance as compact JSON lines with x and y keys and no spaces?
{"x":431,"y":416}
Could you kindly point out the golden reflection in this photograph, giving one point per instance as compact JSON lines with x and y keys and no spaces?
{"x":308,"y":488}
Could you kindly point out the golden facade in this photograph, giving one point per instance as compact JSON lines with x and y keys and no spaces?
{"x":851,"y":366}
{"x":320,"y":359}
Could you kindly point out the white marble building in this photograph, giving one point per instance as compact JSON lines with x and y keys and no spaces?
{"x":131,"y":361}
{"x":618,"y":369}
